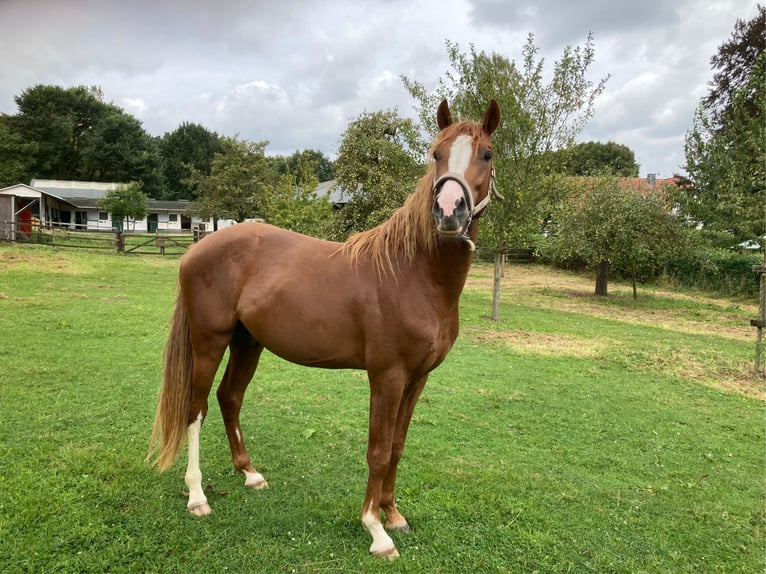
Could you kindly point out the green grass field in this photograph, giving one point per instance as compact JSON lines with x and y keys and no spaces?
{"x":576,"y":435}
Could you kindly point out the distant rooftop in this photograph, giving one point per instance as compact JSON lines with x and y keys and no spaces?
{"x":70,"y":189}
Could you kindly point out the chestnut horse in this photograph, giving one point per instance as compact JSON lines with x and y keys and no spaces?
{"x":385,"y":301}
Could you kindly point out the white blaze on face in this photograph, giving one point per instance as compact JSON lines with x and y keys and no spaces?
{"x":459,"y":159}
{"x":460,"y":155}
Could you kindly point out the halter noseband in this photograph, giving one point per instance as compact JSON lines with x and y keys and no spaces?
{"x":475,"y":210}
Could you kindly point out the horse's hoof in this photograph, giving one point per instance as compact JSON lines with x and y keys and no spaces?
{"x":255,"y":481}
{"x":389,"y":553}
{"x":202,"y":509}
{"x":404,"y":528}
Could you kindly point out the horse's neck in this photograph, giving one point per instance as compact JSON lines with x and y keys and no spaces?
{"x":450,"y":263}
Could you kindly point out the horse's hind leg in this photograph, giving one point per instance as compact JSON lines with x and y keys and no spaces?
{"x":205,"y":367}
{"x":244,"y":352}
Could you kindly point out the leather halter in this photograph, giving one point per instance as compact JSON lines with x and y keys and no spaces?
{"x":475,"y":210}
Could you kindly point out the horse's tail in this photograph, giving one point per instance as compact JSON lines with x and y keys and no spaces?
{"x":171,"y":420}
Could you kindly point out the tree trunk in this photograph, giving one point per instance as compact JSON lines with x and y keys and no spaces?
{"x":602,"y":278}
{"x":499,"y":259}
{"x":635,"y":294}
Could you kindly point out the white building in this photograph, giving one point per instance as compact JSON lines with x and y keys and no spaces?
{"x":73,"y":205}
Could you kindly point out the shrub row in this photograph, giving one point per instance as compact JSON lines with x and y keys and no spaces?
{"x":722,"y":270}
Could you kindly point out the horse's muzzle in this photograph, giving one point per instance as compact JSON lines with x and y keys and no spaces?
{"x":451,"y":208}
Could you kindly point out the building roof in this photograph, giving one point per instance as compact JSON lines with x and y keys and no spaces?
{"x":86,"y":194}
{"x":336,"y":194}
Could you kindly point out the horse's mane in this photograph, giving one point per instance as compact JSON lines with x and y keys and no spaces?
{"x":410,"y":229}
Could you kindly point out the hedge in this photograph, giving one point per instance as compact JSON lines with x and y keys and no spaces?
{"x":722,"y":270}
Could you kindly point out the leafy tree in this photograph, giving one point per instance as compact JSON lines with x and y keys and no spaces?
{"x":121,"y":150}
{"x":537,"y":119}
{"x":71,"y":133}
{"x":126,"y":200}
{"x":379,"y":165}
{"x":607,"y":226}
{"x":58,"y":122}
{"x":596,"y":158}
{"x":239,"y":180}
{"x":293,"y":204}
{"x":188,"y":145}
{"x":725,"y":150}
{"x":324,"y":169}
{"x":15,"y":155}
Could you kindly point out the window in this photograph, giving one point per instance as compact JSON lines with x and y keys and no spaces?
{"x":103,"y":215}
{"x":173,"y":217}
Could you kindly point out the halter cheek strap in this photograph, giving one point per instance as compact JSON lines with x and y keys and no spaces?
{"x":475,"y":210}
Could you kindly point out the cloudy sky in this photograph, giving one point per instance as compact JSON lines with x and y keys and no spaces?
{"x":295,"y":72}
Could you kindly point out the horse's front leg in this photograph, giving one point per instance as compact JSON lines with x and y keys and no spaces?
{"x":385,"y":398}
{"x":394,"y":519}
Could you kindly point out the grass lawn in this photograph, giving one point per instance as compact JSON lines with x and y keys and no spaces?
{"x":576,"y":435}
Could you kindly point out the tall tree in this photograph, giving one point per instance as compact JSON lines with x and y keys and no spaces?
{"x":59,"y":122}
{"x":71,"y":133}
{"x":240,"y":177}
{"x":378,"y":165}
{"x":15,"y":154}
{"x":188,"y":145}
{"x":726,"y":148}
{"x":120,"y":150}
{"x":538,"y":118}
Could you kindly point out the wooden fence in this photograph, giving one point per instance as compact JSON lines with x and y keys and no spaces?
{"x":114,"y":240}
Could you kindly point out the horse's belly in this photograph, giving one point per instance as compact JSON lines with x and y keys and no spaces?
{"x":314,"y":343}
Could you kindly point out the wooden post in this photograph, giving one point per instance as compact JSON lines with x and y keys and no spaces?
{"x":759,"y":365}
{"x":161,"y":244}
{"x":499,"y":264}
{"x":119,"y":241}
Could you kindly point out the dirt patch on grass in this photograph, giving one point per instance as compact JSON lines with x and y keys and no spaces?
{"x":548,"y":344}
{"x":39,"y":260}
{"x":663,"y":307}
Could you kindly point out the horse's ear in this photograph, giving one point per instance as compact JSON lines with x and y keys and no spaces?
{"x":443,"y":115}
{"x":491,"y":117}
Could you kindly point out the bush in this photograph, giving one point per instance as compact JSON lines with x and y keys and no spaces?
{"x":722,"y":270}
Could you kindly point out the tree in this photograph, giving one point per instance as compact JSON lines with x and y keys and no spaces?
{"x":324,"y":169}
{"x":15,"y":154}
{"x":537,"y":119}
{"x":240,"y":177}
{"x":71,"y":133}
{"x":59,"y":123}
{"x":120,"y":150}
{"x":379,"y":165}
{"x":292,"y":203}
{"x":188,"y":145}
{"x":126,"y":200}
{"x":596,"y":158}
{"x":725,"y":150}
{"x":609,"y":227}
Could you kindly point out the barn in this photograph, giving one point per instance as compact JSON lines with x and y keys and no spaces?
{"x":73,"y":205}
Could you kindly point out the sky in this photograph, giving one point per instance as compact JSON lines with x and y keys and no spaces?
{"x":296,"y":72}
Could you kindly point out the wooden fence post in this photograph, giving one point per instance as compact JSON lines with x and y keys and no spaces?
{"x":759,"y":323}
{"x":120,"y":241}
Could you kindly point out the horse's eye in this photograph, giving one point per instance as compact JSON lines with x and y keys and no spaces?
{"x":437,"y":155}
{"x":488,"y":155}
